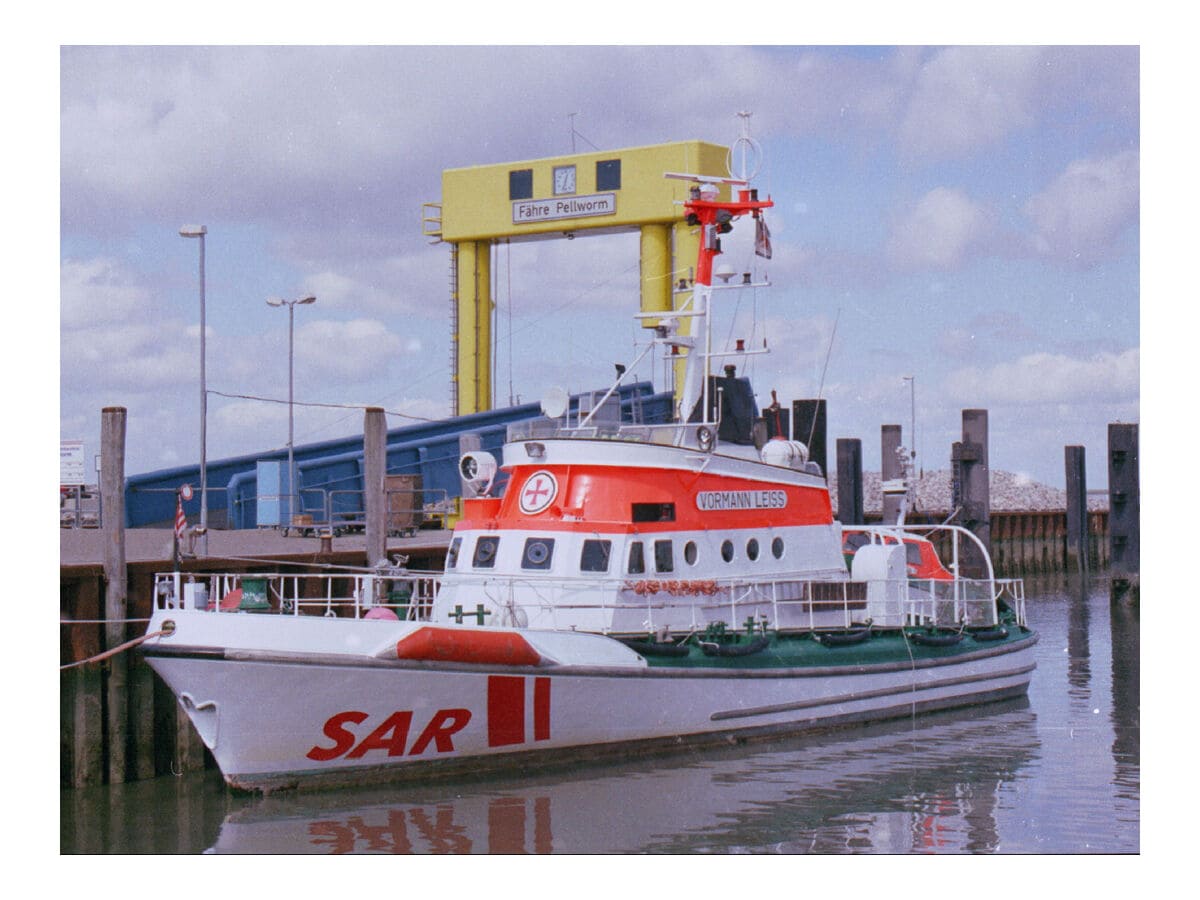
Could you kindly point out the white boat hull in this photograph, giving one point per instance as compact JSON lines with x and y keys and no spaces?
{"x":276,"y":713}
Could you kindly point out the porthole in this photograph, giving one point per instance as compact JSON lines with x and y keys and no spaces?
{"x":485,"y":552}
{"x":777,"y":548}
{"x":538,"y":552}
{"x":727,"y":551}
{"x":752,"y":549}
{"x":689,"y":553}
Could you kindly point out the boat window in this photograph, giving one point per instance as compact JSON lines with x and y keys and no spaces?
{"x":777,"y":547}
{"x":595,"y":556}
{"x":752,"y":549}
{"x":727,"y":551}
{"x":856,"y":539}
{"x":637,"y":558}
{"x":452,"y":553}
{"x":664,"y":556}
{"x":485,"y":552}
{"x":539,"y":551}
{"x":912,"y":553}
{"x":689,"y":553}
{"x":654,"y":512}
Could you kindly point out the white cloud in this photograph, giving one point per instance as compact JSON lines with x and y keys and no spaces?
{"x":964,"y":98}
{"x":346,"y":351}
{"x":939,"y":231}
{"x":1049,"y":378}
{"x":1083,"y":211}
{"x":100,"y":291}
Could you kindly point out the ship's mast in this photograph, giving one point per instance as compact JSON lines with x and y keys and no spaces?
{"x":714,"y":218}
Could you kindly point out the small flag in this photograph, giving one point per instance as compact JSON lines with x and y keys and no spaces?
{"x":180,"y":518}
{"x":762,"y":238}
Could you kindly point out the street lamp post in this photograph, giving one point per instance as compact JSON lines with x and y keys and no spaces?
{"x":912,"y":380}
{"x":291,"y":306}
{"x":199,"y":231}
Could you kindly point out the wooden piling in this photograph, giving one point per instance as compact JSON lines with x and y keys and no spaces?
{"x":850,"y":481}
{"x":889,"y":443}
{"x":374,"y":476}
{"x":970,"y":488}
{"x":1124,"y":511}
{"x":810,"y":429}
{"x":112,"y":497}
{"x":1078,"y":545}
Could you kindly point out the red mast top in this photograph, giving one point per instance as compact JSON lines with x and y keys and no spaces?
{"x":716,"y":218}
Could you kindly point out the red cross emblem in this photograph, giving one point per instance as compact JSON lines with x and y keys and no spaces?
{"x":539,"y":492}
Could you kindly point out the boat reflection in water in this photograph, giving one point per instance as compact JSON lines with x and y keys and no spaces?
{"x":931,"y":784}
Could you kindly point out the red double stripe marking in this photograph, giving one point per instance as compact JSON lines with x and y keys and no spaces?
{"x":506,"y":709}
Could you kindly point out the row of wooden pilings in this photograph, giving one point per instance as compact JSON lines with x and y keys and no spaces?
{"x":119,"y":722}
{"x":1019,"y":541}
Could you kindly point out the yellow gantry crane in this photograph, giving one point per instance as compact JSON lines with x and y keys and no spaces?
{"x":601,"y":192}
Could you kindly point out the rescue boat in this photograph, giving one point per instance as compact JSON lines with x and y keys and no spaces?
{"x":632,"y":588}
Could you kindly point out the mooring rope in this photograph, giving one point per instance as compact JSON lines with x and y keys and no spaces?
{"x":120,"y":648}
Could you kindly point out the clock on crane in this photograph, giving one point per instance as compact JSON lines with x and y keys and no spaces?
{"x":564,"y":179}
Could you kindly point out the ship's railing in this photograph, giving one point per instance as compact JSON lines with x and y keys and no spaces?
{"x":1007,"y":591}
{"x":693,"y":605}
{"x":668,"y":435}
{"x":592,"y":604}
{"x":400,"y":594}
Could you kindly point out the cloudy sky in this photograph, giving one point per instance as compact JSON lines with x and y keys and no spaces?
{"x":968,"y":216}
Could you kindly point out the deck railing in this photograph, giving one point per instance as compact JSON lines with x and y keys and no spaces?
{"x":601,"y":605}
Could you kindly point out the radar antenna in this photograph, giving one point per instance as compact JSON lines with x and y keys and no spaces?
{"x":746,"y":151}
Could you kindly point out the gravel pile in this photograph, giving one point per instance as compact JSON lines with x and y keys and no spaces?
{"x":1009,"y":493}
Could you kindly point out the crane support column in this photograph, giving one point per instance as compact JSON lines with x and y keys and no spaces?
{"x":656,"y":270}
{"x":474,"y":347}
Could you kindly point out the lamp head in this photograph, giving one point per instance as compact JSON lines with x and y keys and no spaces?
{"x":193,"y":231}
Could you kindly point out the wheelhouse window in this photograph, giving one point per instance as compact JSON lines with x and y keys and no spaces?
{"x":594,"y":557}
{"x":664,"y":556}
{"x":855,"y":540}
{"x":539,"y":552}
{"x":485,"y":552}
{"x":654,"y":512}
{"x":452,"y":553}
{"x":689,"y":553}
{"x":637,"y":558}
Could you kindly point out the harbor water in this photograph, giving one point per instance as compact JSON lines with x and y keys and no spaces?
{"x":1056,"y":773}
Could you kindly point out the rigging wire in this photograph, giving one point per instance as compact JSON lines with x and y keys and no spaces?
{"x":315,"y":403}
{"x":508,"y":274}
{"x":821,"y":387}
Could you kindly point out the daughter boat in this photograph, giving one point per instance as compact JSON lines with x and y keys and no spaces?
{"x":633,"y":588}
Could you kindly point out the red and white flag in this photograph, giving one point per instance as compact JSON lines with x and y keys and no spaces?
{"x":762,"y":238}
{"x":180,"y":518}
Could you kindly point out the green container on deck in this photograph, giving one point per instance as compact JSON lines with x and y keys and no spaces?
{"x":400,"y":599}
{"x":254,"y":594}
